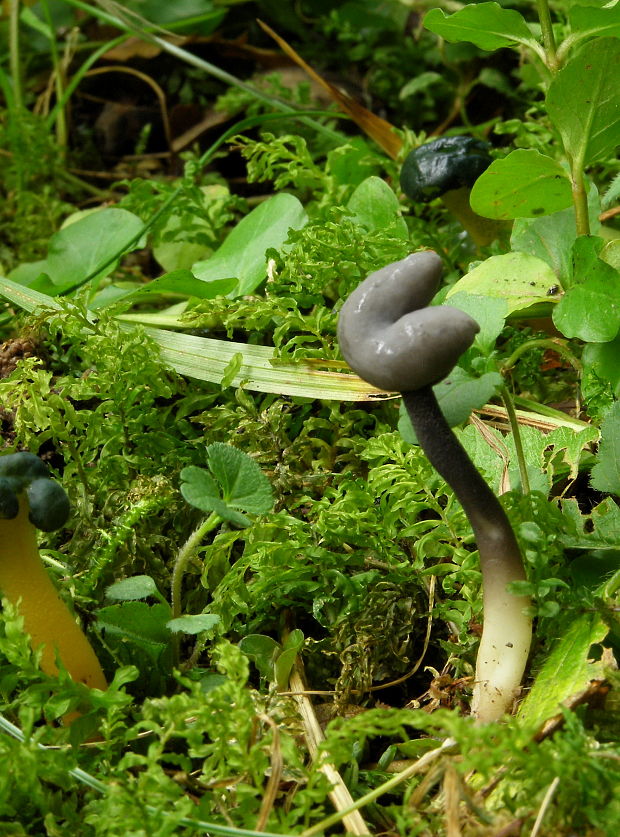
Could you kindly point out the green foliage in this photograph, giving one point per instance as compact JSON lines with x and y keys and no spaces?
{"x":606,"y":473}
{"x":234,"y":482}
{"x":366,"y":568}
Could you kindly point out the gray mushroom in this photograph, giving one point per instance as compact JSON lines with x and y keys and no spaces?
{"x":391,"y":339}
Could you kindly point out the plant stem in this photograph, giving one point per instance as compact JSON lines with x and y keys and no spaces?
{"x":14,"y":54}
{"x":422,"y":763}
{"x":185,"y":554}
{"x":61,"y":119}
{"x":551,"y":343}
{"x":546,"y":26}
{"x":516,"y":435}
{"x":580,"y":199}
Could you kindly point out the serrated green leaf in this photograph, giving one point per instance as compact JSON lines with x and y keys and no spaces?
{"x":598,"y":530}
{"x":520,"y":279}
{"x":571,"y":443}
{"x":525,"y":184}
{"x":590,"y":309}
{"x":242,"y":255}
{"x":193,"y":623}
{"x":200,"y":490}
{"x":243,"y":484}
{"x":142,"y":623}
{"x":583,"y":102}
{"x":487,"y":25}
{"x":135,"y":587}
{"x":567,"y":671}
{"x":606,"y":471}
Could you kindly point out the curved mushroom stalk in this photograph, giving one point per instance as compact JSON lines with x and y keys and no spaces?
{"x":394,"y":342}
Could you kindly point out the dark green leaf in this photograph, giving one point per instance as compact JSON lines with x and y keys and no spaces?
{"x":244,"y":486}
{"x":606,"y":472}
{"x":200,"y":490}
{"x":137,"y":621}
{"x":604,"y":360}
{"x":184,"y":283}
{"x":602,"y":23}
{"x":79,"y":248}
{"x":263,"y":651}
{"x":583,"y":102}
{"x":590,"y":309}
{"x":487,"y":25}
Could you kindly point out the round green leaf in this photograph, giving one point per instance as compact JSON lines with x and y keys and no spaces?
{"x":525,"y":184}
{"x":522,"y":280}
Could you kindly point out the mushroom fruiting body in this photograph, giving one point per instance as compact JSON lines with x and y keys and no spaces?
{"x":448,"y":167}
{"x":393,"y":341}
{"x":28,"y":496}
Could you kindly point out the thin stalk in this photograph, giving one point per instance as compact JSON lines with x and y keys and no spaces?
{"x":64,"y":97}
{"x":546,"y":26}
{"x":580,"y":199}
{"x":516,"y":435}
{"x":14,"y":63}
{"x":423,"y":762}
{"x":184,"y":556}
{"x":551,"y":343}
{"x":61,"y":120}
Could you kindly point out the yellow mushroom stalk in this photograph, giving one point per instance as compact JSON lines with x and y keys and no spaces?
{"x":28,"y":497}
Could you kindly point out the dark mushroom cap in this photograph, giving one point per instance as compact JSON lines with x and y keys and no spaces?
{"x":388,"y":336}
{"x":442,"y":165}
{"x":48,"y":503}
